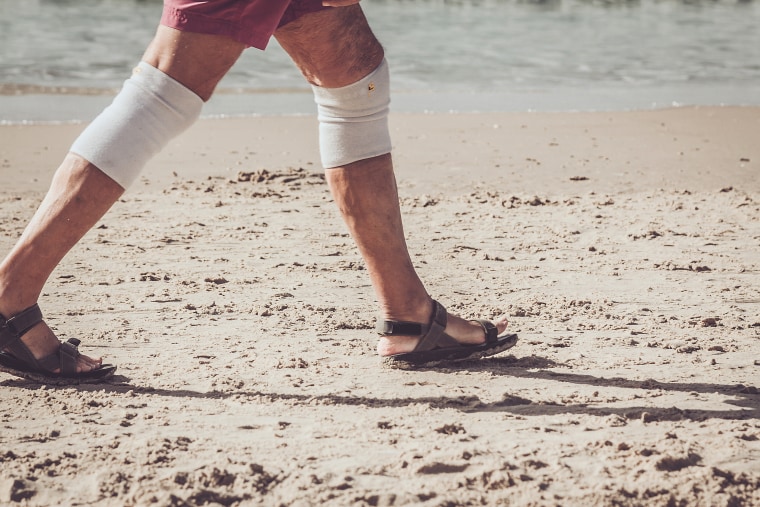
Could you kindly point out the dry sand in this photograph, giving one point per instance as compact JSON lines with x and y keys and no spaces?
{"x":624,"y":246}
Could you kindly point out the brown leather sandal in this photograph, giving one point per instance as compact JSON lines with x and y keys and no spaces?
{"x":435,"y":346}
{"x":18,"y":360}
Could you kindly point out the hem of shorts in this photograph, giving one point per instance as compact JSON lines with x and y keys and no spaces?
{"x":196,"y":23}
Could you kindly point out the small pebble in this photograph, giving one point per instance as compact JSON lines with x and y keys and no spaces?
{"x":646,"y":417}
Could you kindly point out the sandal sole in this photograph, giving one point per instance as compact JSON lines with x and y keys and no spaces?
{"x":438,"y":357}
{"x":100,"y":375}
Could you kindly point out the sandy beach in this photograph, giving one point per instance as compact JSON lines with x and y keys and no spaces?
{"x":624,"y":246}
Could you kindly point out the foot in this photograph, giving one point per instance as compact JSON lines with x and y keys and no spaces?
{"x":467,"y":332}
{"x":42,"y":342}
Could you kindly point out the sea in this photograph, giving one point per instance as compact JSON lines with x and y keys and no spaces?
{"x":63,"y":60}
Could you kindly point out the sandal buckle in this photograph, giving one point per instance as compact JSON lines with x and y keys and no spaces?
{"x":9,"y":325}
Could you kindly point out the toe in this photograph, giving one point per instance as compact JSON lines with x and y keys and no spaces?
{"x":87,"y":363}
{"x":501,"y":324}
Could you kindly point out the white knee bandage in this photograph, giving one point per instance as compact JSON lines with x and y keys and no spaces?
{"x":148,"y":112}
{"x":353,"y":120}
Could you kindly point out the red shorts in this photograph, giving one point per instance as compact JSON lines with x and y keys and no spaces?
{"x":251,"y":22}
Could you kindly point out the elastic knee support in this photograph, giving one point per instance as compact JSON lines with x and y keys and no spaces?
{"x":150,"y":110}
{"x":353,"y":120}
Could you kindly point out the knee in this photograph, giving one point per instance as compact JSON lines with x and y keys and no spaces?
{"x":150,"y":110}
{"x":353,"y":119}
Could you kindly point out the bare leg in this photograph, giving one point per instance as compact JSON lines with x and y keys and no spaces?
{"x":335,"y":48}
{"x":80,"y":193}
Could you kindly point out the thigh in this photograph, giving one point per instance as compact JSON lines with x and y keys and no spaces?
{"x":197,"y":60}
{"x":333,"y":47}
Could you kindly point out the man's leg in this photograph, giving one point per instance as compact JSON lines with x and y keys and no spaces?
{"x":80,"y":194}
{"x":335,"y":48}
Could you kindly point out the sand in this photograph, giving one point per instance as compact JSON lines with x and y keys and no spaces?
{"x":625,"y":247}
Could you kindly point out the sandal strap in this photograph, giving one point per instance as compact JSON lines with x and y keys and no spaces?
{"x":431,"y":335}
{"x":399,"y":328}
{"x":69,"y":353}
{"x":492,"y":332}
{"x":64,"y":358}
{"x":435,"y":335}
{"x":15,"y":327}
{"x":406,"y":328}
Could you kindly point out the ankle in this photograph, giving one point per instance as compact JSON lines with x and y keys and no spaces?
{"x":418,"y":309}
{"x":12,"y":302}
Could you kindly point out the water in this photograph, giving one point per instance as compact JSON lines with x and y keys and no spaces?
{"x":63,"y":59}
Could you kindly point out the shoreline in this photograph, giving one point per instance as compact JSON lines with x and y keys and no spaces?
{"x":702,"y":147}
{"x":64,"y":107}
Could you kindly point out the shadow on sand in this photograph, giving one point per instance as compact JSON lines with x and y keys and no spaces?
{"x":745,"y":398}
